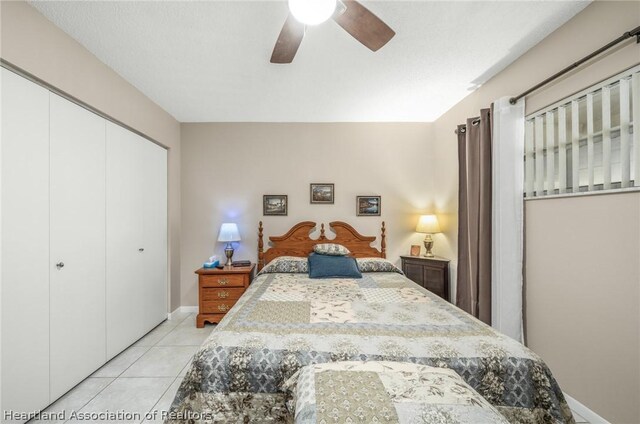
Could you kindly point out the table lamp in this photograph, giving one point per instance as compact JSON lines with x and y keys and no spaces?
{"x":428,"y":224}
{"x":229,"y":233}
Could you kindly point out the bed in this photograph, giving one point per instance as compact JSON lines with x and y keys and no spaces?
{"x":286,"y":320}
{"x":385,"y":391}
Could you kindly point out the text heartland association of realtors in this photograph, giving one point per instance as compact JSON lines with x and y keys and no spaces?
{"x":106,"y":415}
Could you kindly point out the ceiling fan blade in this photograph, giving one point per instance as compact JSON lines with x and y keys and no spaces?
{"x":288,"y":41}
{"x":363,"y":25}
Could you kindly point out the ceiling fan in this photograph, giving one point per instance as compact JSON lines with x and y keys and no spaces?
{"x":353,"y":17}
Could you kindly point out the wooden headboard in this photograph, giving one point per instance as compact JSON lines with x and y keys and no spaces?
{"x":296,"y":242}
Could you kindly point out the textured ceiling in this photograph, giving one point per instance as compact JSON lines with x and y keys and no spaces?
{"x":209,"y":61}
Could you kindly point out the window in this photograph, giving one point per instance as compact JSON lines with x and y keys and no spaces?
{"x":586,"y":142}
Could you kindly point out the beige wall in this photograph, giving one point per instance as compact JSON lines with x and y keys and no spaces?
{"x":31,"y":42}
{"x":228,"y":167}
{"x":595,"y":26}
{"x":568,"y":318}
{"x":583,"y":297}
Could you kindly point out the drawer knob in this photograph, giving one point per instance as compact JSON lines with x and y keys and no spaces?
{"x":222,"y":281}
{"x":223,"y":308}
{"x":223,"y":294}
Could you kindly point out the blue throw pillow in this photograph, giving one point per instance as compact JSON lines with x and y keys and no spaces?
{"x":325,"y":266}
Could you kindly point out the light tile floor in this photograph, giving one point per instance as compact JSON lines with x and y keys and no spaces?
{"x":578,"y":418}
{"x":143,"y":379}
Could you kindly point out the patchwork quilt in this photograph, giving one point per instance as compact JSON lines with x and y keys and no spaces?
{"x":285,"y":321}
{"x":385,"y":392}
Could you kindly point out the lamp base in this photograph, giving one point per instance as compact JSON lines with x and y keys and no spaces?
{"x":428,"y":245}
{"x":228,"y":251}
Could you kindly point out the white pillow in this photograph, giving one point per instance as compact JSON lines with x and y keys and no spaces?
{"x":377,"y":265}
{"x":288,"y":265}
{"x":331,"y":249}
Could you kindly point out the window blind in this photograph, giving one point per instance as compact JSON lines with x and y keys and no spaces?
{"x":586,"y":142}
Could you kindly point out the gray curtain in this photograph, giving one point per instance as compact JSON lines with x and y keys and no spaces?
{"x":473,"y":293}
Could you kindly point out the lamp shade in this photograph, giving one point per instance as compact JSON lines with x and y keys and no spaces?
{"x":229,"y":232}
{"x":428,"y":224}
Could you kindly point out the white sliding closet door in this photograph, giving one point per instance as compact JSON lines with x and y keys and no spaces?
{"x":125,"y":190}
{"x":136,"y":237}
{"x":154,"y":211}
{"x":25,"y":244}
{"x":77,"y":141}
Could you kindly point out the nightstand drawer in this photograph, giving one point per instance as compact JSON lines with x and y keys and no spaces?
{"x":433,"y":276}
{"x":216,"y":307}
{"x":209,"y":294}
{"x":228,"y":280}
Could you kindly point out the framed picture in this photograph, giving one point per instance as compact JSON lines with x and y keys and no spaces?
{"x":274,"y":204}
{"x":415,"y":250}
{"x":368,"y":205}
{"x":321,"y":193}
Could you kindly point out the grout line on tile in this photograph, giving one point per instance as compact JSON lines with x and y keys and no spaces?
{"x":188,"y":316}
{"x":148,"y":348}
{"x":94,"y":396}
{"x":161,"y":396}
{"x":131,"y":364}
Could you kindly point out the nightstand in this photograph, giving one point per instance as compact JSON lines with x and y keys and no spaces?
{"x":219,"y":290}
{"x":430,"y":273}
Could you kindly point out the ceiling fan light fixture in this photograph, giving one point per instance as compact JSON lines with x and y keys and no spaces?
{"x":312,"y":12}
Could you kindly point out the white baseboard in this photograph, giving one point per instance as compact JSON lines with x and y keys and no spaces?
{"x":183,"y":310}
{"x":584,"y":412}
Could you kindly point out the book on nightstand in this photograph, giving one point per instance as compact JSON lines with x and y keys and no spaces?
{"x":241,"y":263}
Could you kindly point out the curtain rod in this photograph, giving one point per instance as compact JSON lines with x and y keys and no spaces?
{"x":633,"y":33}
